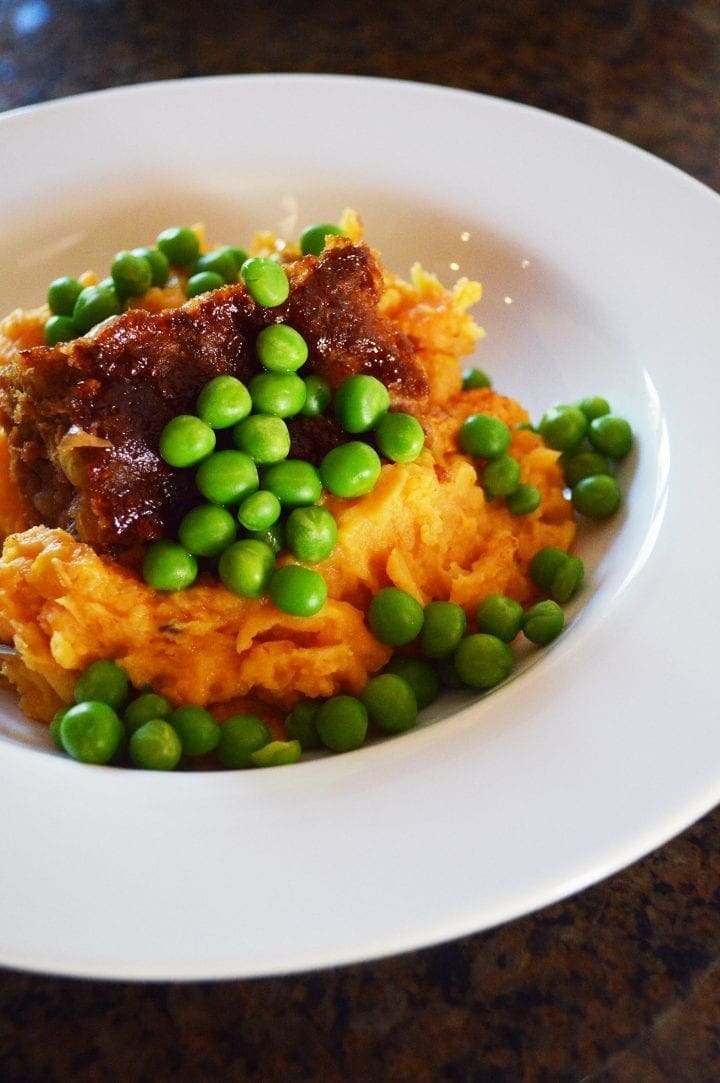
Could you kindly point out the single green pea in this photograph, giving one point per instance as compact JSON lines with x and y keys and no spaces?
{"x":198,"y":731}
{"x":240,"y":736}
{"x":186,"y":441}
{"x":317,"y":396}
{"x":105,"y":682}
{"x":297,"y":590}
{"x":420,"y":674}
{"x":55,"y":727}
{"x":144,"y":708}
{"x":563,"y":427}
{"x":168,"y":566}
{"x":311,"y":533}
{"x":95,"y":304}
{"x":280,"y":394}
{"x":593,"y":406}
{"x":224,"y":401}
{"x":360,"y":402}
{"x":266,"y":281}
{"x":227,"y":477}
{"x":351,"y":469}
{"x":444,"y":625}
{"x":206,"y":530}
{"x":239,"y":255}
{"x":273,"y":536}
{"x":524,"y":500}
{"x":543,"y":622}
{"x":159,"y":264}
{"x":544,"y":565}
{"x":246,"y":566}
{"x":501,"y":476}
{"x":395,"y":617}
{"x":91,"y":732}
{"x":500,"y":616}
{"x":131,"y":274}
{"x":264,"y":438}
{"x":221,"y":261}
{"x":473,"y":379}
{"x":342,"y":723}
{"x":400,"y":437}
{"x":179,"y":245}
{"x":484,"y":436}
{"x":155,"y":746}
{"x":62,"y":295}
{"x":300,"y":724}
{"x":483,"y":661}
{"x":597,"y":497}
{"x":611,"y":436}
{"x":259,"y":510}
{"x":280,"y":348}
{"x":313,"y":238}
{"x":390,"y":703}
{"x":583,"y":464}
{"x":294,"y":482}
{"x":277,"y":754}
{"x":203,"y":282}
{"x":59,"y":329}
{"x":567,"y":580}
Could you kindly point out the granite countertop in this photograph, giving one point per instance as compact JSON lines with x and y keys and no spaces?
{"x":619,"y":983}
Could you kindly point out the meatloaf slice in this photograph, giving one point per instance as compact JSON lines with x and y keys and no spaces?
{"x":84,"y":418}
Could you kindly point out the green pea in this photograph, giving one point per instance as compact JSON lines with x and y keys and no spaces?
{"x":313,"y":238}
{"x":300,"y":724}
{"x":593,"y":406}
{"x":227,"y":477}
{"x":198,"y":731}
{"x":543,"y":622}
{"x":297,"y":590}
{"x":474,"y":379}
{"x":351,"y":469}
{"x":524,"y":500}
{"x":62,"y":295}
{"x":277,"y":754}
{"x":167,"y":565}
{"x":105,"y":682}
{"x":203,"y":282}
{"x":239,"y":255}
{"x":582,"y":464}
{"x":266,"y":281}
{"x":611,"y":436}
{"x":360,"y":402}
{"x":224,"y":401}
{"x":259,"y":510}
{"x":280,"y":394}
{"x":395,"y":617}
{"x":421,"y":676}
{"x":483,"y":661}
{"x":155,"y":746}
{"x":95,"y":304}
{"x":240,"y":736}
{"x":597,"y":497}
{"x":280,"y":348}
{"x":311,"y":533}
{"x":563,"y":427}
{"x":159,"y":264}
{"x":567,"y":580}
{"x":144,"y":708}
{"x":444,"y":625}
{"x":55,"y":727}
{"x":179,"y":245}
{"x":294,"y":482}
{"x":317,"y":396}
{"x":342,"y":723}
{"x":59,"y":329}
{"x":390,"y":703}
{"x":500,"y":616}
{"x":399,"y":437}
{"x":501,"y":476}
{"x":264,"y":438}
{"x":273,"y":536}
{"x":206,"y":530}
{"x":91,"y":732}
{"x":131,"y":274}
{"x":221,"y":261}
{"x":544,"y":564}
{"x":484,"y":436}
{"x":246,"y":566}
{"x":186,"y":441}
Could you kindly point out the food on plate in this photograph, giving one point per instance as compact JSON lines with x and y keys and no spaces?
{"x":253,"y":490}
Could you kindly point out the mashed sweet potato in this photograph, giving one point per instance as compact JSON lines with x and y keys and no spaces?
{"x":427,"y":528}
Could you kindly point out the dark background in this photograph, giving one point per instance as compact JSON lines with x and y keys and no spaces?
{"x":617,"y":984}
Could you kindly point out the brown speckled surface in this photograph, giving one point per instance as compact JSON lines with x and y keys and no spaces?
{"x":617,"y":985}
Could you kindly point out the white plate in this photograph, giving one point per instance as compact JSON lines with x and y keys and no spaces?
{"x":601,"y":268}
